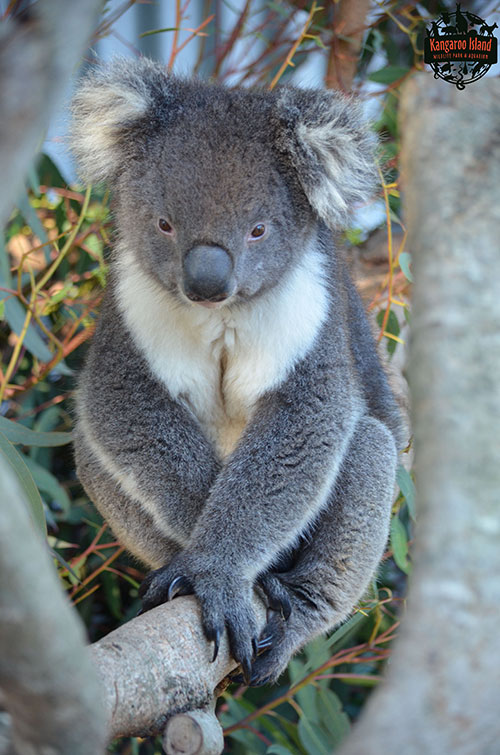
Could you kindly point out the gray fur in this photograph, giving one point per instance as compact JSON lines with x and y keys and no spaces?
{"x":299,"y":505}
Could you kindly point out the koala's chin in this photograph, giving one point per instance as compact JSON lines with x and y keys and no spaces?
{"x":235,"y":427}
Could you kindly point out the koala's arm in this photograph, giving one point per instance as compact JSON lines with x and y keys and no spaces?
{"x":329,"y":572}
{"x":280,"y":475}
{"x":141,"y":456}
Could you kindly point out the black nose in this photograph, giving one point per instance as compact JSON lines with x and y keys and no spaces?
{"x":208,"y":274}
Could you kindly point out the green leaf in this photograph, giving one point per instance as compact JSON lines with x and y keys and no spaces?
{"x":158,"y":31}
{"x":392,"y":326}
{"x":48,"y":172}
{"x":65,"y":565}
{"x":238,"y":709}
{"x":296,"y":670}
{"x":399,"y":544}
{"x":15,"y":314}
{"x":46,"y":481}
{"x":17,"y":433}
{"x":249,"y":740}
{"x":47,"y":420}
{"x":112,"y":594}
{"x":313,"y":738}
{"x":349,"y":627}
{"x":354,"y":236}
{"x":290,"y":728}
{"x":404,"y":264}
{"x":270,"y":725}
{"x":32,"y":219}
{"x":388,"y":75}
{"x":278,"y":750}
{"x":16,"y":461}
{"x":407,"y":488}
{"x":333,"y":718}
{"x":306,"y":697}
{"x":317,"y":652}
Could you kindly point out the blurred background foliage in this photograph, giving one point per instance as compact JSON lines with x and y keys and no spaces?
{"x":53,"y":266}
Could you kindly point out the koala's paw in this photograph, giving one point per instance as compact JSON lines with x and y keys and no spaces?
{"x":272,"y":654}
{"x":226,"y":603}
{"x":292,"y":602}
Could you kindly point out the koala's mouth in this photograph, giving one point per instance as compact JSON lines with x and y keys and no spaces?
{"x":210,"y":304}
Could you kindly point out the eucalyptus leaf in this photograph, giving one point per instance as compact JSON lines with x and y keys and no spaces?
{"x":407,"y":488}
{"x":388,"y":75}
{"x":17,"y":462}
{"x":404,"y":264}
{"x":399,"y":544}
{"x":15,"y":314}
{"x":313,"y":738}
{"x":332,"y":716}
{"x":17,"y":433}
{"x":49,"y":484}
{"x":343,"y":632}
{"x":32,"y":219}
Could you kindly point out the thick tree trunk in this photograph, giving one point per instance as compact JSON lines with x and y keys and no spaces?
{"x":38,"y":54}
{"x":441,"y":692}
{"x":47,"y":682}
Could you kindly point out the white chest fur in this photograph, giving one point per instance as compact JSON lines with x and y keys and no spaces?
{"x":218,"y":362}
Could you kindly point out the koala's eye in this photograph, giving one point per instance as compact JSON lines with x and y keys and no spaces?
{"x":165,"y":226}
{"x":258,"y":231}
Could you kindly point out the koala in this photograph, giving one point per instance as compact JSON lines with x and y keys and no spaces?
{"x":234,"y":425}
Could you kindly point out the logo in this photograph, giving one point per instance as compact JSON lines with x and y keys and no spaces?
{"x":460,"y":47}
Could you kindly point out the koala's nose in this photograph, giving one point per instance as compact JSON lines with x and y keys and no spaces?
{"x":208,"y":274}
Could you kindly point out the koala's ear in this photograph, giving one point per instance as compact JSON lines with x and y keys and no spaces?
{"x":324,"y":136}
{"x":109,"y":104}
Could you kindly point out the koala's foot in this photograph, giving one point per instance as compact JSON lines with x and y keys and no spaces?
{"x":294,"y":609}
{"x":272,"y":657}
{"x":226,"y":603}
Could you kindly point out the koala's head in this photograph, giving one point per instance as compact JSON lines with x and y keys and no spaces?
{"x":218,"y":191}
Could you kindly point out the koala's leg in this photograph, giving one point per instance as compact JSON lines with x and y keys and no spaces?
{"x":132,"y":525}
{"x":334,"y":567}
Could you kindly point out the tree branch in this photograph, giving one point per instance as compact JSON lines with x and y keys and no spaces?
{"x":348,"y":31}
{"x":441,"y":692}
{"x":159,"y":665}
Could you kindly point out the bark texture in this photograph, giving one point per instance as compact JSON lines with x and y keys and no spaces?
{"x":38,"y":53}
{"x":159,"y":665}
{"x":348,"y":30}
{"x":47,"y":682}
{"x":441,"y":692}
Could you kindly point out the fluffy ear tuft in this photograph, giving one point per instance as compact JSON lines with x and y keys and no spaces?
{"x":109,"y":103}
{"x":332,"y":149}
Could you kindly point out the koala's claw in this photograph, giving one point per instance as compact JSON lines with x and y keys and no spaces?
{"x":213,"y":635}
{"x":271,"y":657}
{"x":246,"y":668}
{"x":158,"y":587}
{"x":263,"y":644}
{"x":276,"y":596}
{"x":179,"y":586}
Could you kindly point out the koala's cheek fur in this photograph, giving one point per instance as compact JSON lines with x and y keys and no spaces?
{"x":252,"y":445}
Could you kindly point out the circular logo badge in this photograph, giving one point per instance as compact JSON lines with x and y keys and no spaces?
{"x":460,"y":47}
